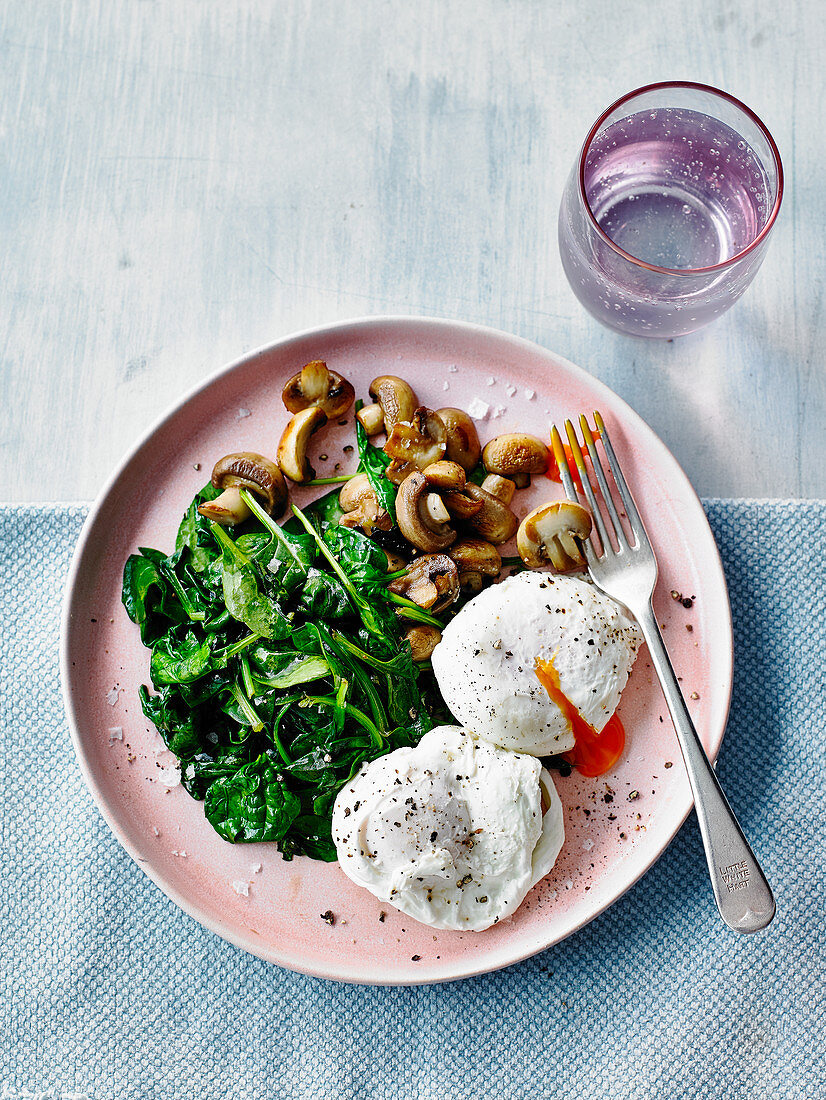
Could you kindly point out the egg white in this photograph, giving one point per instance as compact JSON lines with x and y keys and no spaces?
{"x":450,"y":832}
{"x":485,"y":664}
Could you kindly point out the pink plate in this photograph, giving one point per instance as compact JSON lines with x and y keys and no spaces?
{"x":247,"y":893}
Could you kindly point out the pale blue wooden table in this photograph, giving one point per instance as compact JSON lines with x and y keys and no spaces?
{"x":185,"y":180}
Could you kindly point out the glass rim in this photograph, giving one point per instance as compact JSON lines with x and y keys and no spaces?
{"x":684,"y":271}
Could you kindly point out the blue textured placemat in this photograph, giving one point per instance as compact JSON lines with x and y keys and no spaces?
{"x":111,"y":993}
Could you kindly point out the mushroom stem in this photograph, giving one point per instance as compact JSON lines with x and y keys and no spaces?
{"x":371,"y":418}
{"x":500,"y":487}
{"x":435,"y":508}
{"x":228,"y":509}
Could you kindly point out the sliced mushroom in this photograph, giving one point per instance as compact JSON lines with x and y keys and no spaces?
{"x":515,"y":453}
{"x":460,"y":506}
{"x":495,"y":522}
{"x":361,"y":506}
{"x":414,"y":515}
{"x":445,"y":475}
{"x":414,"y":444}
{"x":397,"y":399}
{"x":371,"y":418}
{"x":317,"y":385}
{"x":553,"y":533}
{"x":394,"y":561}
{"x":462,"y":438}
{"x":244,"y":470}
{"x":432,"y":582}
{"x":500,"y":487}
{"x":292,"y":449}
{"x":475,"y":559}
{"x":423,"y":640}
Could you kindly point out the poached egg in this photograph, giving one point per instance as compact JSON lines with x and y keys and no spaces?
{"x":451,"y":832}
{"x":492,"y":654}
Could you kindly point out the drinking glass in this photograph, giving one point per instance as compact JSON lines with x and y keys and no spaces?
{"x":667,"y":212}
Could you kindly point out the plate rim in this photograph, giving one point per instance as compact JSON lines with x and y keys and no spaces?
{"x":347,"y":972}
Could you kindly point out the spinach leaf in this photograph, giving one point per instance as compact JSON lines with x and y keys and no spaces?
{"x":246,"y":602}
{"x":373,"y":461}
{"x":242,"y":593}
{"x":147,"y":597}
{"x":177,"y":724}
{"x":179,"y":658}
{"x":200,"y":771}
{"x":360,"y":558}
{"x":325,"y":509}
{"x":194,"y":533}
{"x":299,"y":670}
{"x":253,"y":804}
{"x":323,"y":597}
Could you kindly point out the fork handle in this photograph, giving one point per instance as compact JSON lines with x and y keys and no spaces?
{"x":741,"y":891}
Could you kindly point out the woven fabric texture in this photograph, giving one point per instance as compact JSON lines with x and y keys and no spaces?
{"x":110,"y":992}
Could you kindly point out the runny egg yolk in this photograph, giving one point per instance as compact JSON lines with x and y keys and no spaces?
{"x":594,"y":753}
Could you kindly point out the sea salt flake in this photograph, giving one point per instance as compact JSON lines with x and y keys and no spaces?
{"x":452,"y":368}
{"x":569,"y":884}
{"x":255,"y":868}
{"x":588,"y":845}
{"x":498,"y":410}
{"x":169,"y":777}
{"x":112,"y":695}
{"x":115,"y":733}
{"x":243,"y":414}
{"x":240,"y":887}
{"x":510,"y":390}
{"x":445,"y":385}
{"x":490,"y":380}
{"x":478,"y":409}
{"x":156,"y":830}
{"x":530,"y":394}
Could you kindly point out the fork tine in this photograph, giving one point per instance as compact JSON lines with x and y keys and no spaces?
{"x":568,"y":485}
{"x":562,"y":463}
{"x":634,"y":518}
{"x":603,"y":484}
{"x":596,"y":514}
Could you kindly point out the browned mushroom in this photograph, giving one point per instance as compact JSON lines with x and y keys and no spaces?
{"x":244,"y":470}
{"x":432,"y":582}
{"x":414,"y":444}
{"x":460,"y":506}
{"x":475,"y":559}
{"x":397,"y":399}
{"x":421,"y":515}
{"x":552,"y":534}
{"x":515,"y":454}
{"x":423,"y":640}
{"x":394,"y":561}
{"x":317,"y":385}
{"x":494,"y":521}
{"x":292,"y":449}
{"x":361,"y":506}
{"x":445,"y":475}
{"x":462,"y":438}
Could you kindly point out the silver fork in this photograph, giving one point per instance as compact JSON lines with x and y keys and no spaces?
{"x":628,"y":573}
